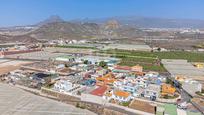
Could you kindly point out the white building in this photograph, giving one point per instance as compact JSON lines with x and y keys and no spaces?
{"x":96,"y":59}
{"x":65,"y":86}
{"x":118,"y":95}
{"x":152,"y":91}
{"x":65,"y":58}
{"x":130,"y":87}
{"x":141,"y":81}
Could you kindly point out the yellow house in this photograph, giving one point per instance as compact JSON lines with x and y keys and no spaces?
{"x":167,"y":89}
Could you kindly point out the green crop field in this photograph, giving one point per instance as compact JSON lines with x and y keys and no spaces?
{"x":149,"y":59}
{"x":190,"y":56}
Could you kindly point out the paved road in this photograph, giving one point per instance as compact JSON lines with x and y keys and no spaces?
{"x":14,"y":101}
{"x":184,"y":95}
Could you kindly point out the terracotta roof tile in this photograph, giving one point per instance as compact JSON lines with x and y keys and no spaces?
{"x":122,"y":94}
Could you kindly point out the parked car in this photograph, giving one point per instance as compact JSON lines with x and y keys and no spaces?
{"x":183,"y":105}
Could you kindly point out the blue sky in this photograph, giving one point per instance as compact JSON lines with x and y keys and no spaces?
{"x":23,"y":12}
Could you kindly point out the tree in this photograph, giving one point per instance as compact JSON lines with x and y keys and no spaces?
{"x":103,"y":64}
{"x":169,"y":81}
{"x":66,"y":65}
{"x":158,"y":49}
{"x":86,"y":61}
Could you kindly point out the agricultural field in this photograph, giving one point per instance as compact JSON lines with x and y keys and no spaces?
{"x":148,"y":66}
{"x":151,"y":60}
{"x":190,"y":56}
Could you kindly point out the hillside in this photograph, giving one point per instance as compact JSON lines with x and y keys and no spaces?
{"x":85,"y":30}
{"x":66,"y":30}
{"x":19,"y":38}
{"x":120,"y":29}
{"x":51,"y":19}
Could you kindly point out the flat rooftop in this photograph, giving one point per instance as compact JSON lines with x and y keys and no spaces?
{"x":182,"y":67}
{"x":138,"y":47}
{"x":14,"y":101}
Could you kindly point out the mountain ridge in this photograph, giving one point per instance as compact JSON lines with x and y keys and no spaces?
{"x":51,"y":19}
{"x":126,"y":27}
{"x":150,"y":22}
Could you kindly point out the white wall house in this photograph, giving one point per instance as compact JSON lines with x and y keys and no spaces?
{"x":118,"y":95}
{"x":65,"y":86}
{"x":152,"y":90}
{"x":141,"y":81}
{"x":121,"y":96}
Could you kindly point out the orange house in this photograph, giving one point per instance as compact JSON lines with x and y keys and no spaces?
{"x":167,"y":89}
{"x":108,"y":79}
{"x":121,"y":96}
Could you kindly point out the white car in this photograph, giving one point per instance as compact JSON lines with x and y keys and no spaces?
{"x":183,"y":105}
